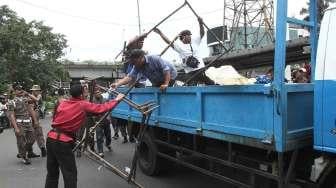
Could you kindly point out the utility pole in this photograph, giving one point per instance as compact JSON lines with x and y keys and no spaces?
{"x":224,"y":15}
{"x":245,"y":25}
{"x":139,"y":17}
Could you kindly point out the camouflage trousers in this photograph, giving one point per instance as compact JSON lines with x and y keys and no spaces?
{"x":38,"y":134}
{"x":25,"y":139}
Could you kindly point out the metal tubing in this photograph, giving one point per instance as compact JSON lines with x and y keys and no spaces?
{"x":291,"y":166}
{"x":166,"y":18}
{"x":120,"y":51}
{"x":93,"y":128}
{"x":125,"y":99}
{"x":281,"y":170}
{"x":209,"y":30}
{"x":144,"y":108}
{"x":111,"y":167}
{"x":169,"y":45}
{"x":150,"y":110}
{"x":230,"y":151}
{"x":131,"y":86}
{"x":144,"y":125}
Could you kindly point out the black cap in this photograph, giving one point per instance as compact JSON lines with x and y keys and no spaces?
{"x":185,"y":32}
{"x":136,"y":53}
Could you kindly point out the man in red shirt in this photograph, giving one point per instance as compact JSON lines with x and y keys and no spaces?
{"x":68,"y":117}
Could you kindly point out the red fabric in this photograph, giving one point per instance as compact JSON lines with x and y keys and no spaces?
{"x":62,"y":137}
{"x":308,"y":68}
{"x":71,"y":114}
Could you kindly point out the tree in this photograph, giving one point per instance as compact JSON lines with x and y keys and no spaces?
{"x":29,"y":52}
{"x":322,"y":5}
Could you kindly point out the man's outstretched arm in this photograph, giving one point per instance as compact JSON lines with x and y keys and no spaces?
{"x":200,"y":22}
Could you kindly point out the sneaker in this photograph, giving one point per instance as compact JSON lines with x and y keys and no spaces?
{"x":125,"y":140}
{"x":109,"y":148}
{"x":101,"y":155}
{"x":25,"y":159}
{"x":18,"y":155}
{"x":43,"y":152}
{"x":32,"y":155}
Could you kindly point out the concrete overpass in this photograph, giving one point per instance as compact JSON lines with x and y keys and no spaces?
{"x":108,"y":72}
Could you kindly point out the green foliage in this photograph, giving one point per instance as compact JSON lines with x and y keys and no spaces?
{"x":322,"y":5}
{"x":29,"y":52}
{"x":50,"y":102}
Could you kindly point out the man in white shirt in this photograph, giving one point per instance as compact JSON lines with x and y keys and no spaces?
{"x":188,"y":48}
{"x":3,"y":111}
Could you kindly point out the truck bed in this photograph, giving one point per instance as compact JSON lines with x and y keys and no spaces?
{"x":243,"y":114}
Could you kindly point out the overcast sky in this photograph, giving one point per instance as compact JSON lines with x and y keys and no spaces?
{"x":96,"y":29}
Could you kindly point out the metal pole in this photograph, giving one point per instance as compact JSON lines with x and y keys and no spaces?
{"x":224,"y":15}
{"x":209,"y":30}
{"x":169,"y":45}
{"x":245,"y":26}
{"x":139,"y":24}
{"x":164,"y":19}
{"x":111,"y":167}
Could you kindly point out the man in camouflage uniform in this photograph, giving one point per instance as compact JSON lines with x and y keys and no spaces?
{"x":20,"y":117}
{"x":36,"y":100}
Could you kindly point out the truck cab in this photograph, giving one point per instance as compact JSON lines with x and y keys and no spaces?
{"x":262,"y":132}
{"x":325,"y":86}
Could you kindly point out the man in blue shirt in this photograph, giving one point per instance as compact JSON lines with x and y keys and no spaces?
{"x":158,"y":71}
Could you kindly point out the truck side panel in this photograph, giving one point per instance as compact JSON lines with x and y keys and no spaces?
{"x":239,"y":114}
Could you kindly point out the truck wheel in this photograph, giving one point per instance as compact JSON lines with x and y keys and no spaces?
{"x":330,"y":179}
{"x":148,"y":159}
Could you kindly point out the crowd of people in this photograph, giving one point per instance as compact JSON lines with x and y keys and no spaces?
{"x":21,"y":111}
{"x":298,"y":74}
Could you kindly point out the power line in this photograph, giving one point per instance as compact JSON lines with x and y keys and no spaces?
{"x":74,"y":16}
{"x":106,"y":22}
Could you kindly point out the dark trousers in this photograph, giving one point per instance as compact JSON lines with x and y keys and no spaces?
{"x":103,"y":130}
{"x":133,"y":130}
{"x":107,"y":133}
{"x":60,"y":156}
{"x":120,"y":125}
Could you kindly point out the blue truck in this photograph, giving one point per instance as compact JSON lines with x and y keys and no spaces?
{"x":278,"y":134}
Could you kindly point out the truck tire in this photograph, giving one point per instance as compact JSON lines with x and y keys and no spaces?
{"x":330,"y":177}
{"x":149,"y":162}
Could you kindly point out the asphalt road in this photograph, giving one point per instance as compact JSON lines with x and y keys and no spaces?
{"x":13,"y":174}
